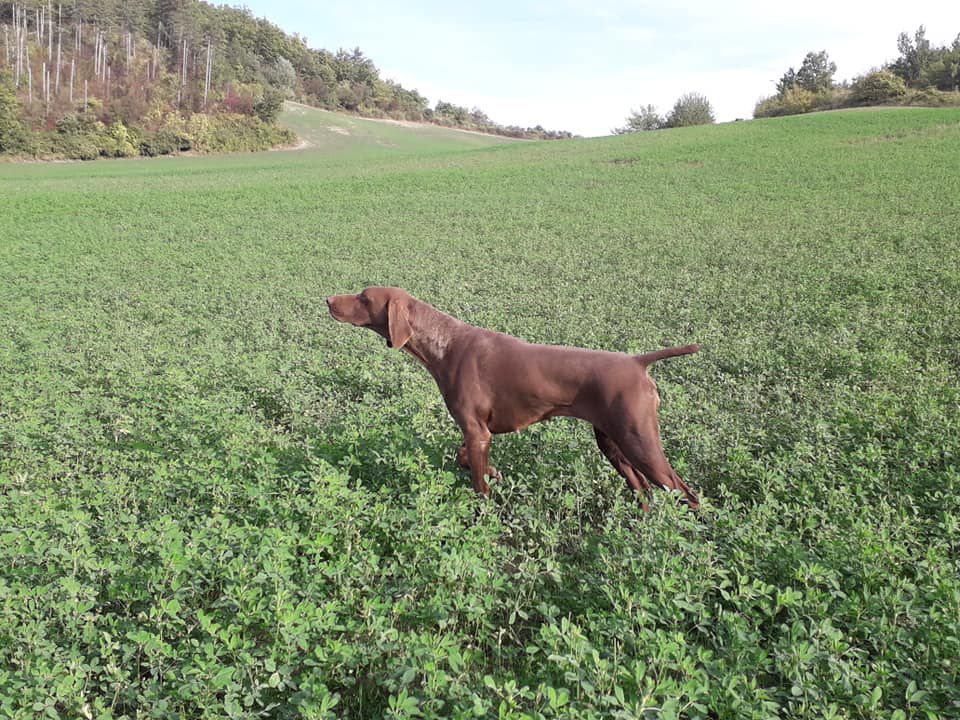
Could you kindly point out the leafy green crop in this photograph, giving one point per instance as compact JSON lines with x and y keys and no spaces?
{"x":215,"y":501}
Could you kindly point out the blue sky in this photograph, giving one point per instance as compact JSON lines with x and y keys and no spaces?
{"x":582,"y":65}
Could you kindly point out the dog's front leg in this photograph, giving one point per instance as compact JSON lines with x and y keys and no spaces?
{"x":464,"y":462}
{"x":476,"y":452}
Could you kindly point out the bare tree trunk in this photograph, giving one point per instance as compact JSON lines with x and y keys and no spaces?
{"x":206,"y":79}
{"x":15,"y":34}
{"x":183,"y":73}
{"x":46,"y":90}
{"x":16,"y":50}
{"x":24,"y":42}
{"x":16,"y":42}
{"x":100,"y":69}
{"x":59,"y":57}
{"x":16,"y":45}
{"x":49,"y":31}
{"x":73,"y":68}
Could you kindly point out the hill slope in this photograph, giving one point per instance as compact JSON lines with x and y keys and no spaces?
{"x":337,"y":132}
{"x":216,"y":500}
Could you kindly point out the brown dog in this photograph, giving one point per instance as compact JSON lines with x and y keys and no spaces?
{"x":493,"y":383}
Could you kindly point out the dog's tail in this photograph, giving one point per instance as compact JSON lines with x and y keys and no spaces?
{"x":651,"y":358}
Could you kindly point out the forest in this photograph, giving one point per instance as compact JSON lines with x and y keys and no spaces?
{"x":105,"y":77}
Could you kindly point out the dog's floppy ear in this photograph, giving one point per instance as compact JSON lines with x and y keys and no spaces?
{"x":398,"y":324}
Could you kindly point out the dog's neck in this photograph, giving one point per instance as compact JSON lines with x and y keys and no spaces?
{"x":433,"y":333}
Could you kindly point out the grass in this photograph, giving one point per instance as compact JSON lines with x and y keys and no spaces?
{"x":339,"y":133}
{"x":216,"y":501}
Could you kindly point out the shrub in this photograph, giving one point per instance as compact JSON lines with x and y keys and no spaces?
{"x":931,"y":97}
{"x":76,"y":146}
{"x":797,"y":100}
{"x":768,"y":107}
{"x":198,"y":129}
{"x":268,"y":105}
{"x":160,"y":143}
{"x":690,"y":109}
{"x":647,"y":118}
{"x":79,"y":123}
{"x":119,"y":141}
{"x":80,"y":136}
{"x":236,"y":103}
{"x":174,"y":132}
{"x":129,"y":108}
{"x":229,"y":132}
{"x":14,"y":137}
{"x":877,"y":87}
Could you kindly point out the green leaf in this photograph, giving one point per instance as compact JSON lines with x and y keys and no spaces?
{"x":222,"y":678}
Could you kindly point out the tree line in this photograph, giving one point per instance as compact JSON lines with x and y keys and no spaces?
{"x":922,"y":74}
{"x":153,"y":63}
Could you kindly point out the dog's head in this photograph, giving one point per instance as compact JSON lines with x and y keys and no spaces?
{"x":385,"y":310}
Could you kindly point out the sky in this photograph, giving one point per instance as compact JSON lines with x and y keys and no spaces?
{"x":583,"y":65}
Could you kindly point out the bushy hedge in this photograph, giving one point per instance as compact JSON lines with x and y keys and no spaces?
{"x":797,"y":100}
{"x":81,"y":136}
{"x":14,"y":137}
{"x":228,"y":132}
{"x":877,"y":87}
{"x":931,"y":97}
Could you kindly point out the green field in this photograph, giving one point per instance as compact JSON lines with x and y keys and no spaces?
{"x":216,"y":501}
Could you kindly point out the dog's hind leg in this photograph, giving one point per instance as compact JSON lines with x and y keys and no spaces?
{"x":616,"y":457}
{"x":642,"y":449}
